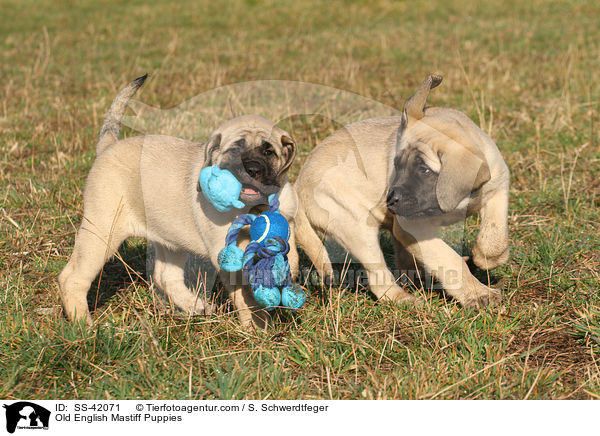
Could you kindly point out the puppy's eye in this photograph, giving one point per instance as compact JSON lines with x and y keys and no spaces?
{"x":424,"y":169}
{"x":268,"y":152}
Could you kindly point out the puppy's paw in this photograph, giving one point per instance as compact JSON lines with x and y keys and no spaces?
{"x":255,"y":318}
{"x":85,"y":322}
{"x":491,"y":248}
{"x":489,"y":261}
{"x":75,"y":309}
{"x":400,"y":296}
{"x":208,"y":309}
{"x":481,"y":296}
{"x":198,"y":309}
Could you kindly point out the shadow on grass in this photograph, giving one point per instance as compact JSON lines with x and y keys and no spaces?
{"x":116,"y":276}
{"x":135,"y":265}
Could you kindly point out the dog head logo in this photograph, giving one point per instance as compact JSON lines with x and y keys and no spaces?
{"x":26,"y":415}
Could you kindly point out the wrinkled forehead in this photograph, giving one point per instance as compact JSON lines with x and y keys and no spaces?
{"x":431,"y":137}
{"x":251,"y":128}
{"x":409,"y":155}
{"x":436,"y":135}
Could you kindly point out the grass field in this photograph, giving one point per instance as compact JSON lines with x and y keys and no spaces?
{"x":527,"y":72}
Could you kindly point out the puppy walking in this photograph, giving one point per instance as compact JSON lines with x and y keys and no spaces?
{"x":147,"y":186}
{"x":430,"y":167}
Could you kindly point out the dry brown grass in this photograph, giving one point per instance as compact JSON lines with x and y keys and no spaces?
{"x":527,"y":72}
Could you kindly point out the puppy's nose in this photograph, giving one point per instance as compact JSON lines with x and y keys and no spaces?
{"x":392,"y":198}
{"x":254,"y":169}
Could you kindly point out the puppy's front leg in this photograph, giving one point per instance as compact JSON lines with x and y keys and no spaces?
{"x":491,"y":248}
{"x":364,"y":245}
{"x":445,"y":264}
{"x":289,"y":209}
{"x":293,"y":259}
{"x":249,"y":313}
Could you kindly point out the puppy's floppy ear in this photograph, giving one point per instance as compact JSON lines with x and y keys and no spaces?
{"x":288,"y":151}
{"x":414,"y":106}
{"x":462,"y":172}
{"x":212,"y":146}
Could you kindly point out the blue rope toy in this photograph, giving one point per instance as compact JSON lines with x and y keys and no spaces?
{"x":264,"y":262}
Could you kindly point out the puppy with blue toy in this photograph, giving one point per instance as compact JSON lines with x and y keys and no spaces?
{"x":264,"y":262}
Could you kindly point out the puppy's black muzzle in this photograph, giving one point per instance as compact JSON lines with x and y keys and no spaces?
{"x":257,"y":170}
{"x":393,"y":198}
{"x":400,"y":203}
{"x":258,"y":181}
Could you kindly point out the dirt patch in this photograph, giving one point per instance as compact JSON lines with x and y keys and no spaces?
{"x":537,"y":292}
{"x":400,"y":334}
{"x":557,"y":349}
{"x":403,"y":337}
{"x":550,"y":347}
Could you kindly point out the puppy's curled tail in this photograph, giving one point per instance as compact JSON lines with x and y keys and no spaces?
{"x":112,"y":123}
{"x":313,"y":246}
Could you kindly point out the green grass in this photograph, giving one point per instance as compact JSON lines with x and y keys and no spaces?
{"x":525,"y":71}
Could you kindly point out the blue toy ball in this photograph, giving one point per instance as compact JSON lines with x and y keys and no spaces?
{"x":266,"y":297}
{"x":292,"y":297}
{"x":221,"y":188}
{"x":269,"y":225}
{"x":264,"y":262}
{"x":230,"y":258}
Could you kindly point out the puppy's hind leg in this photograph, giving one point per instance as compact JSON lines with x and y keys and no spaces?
{"x":95,"y":243}
{"x":168,"y":276}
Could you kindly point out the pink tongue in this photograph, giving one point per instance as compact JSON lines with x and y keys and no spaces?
{"x":249,"y":191}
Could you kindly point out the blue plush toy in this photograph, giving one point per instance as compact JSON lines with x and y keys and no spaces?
{"x":221,"y":188}
{"x":264,"y":262}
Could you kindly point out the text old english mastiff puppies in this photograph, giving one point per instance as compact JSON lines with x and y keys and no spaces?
{"x":146,"y":186}
{"x":411,"y":174}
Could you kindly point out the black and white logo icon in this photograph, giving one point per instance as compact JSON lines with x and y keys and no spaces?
{"x":26,"y":415}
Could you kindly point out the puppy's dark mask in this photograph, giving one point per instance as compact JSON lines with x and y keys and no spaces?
{"x":412,"y":191}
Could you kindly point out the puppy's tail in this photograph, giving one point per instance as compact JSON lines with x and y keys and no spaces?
{"x":112,"y":123}
{"x":313,"y":246}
